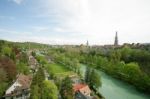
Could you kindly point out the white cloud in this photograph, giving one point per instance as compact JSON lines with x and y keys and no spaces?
{"x":95,"y":20}
{"x":99,"y":19}
{"x":19,"y":36}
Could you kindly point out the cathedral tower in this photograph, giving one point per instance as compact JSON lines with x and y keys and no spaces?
{"x":116,"y":39}
{"x":87,"y":43}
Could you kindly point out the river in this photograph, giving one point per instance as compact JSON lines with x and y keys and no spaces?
{"x":115,"y":89}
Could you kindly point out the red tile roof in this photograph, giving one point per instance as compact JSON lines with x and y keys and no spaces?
{"x":82,"y":88}
{"x":77,"y":87}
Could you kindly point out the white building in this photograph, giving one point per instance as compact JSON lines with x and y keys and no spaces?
{"x":20,"y":88}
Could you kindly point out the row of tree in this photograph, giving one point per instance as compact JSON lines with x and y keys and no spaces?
{"x":92,"y":78}
{"x":66,"y":59}
{"x":127,"y":64}
{"x":64,"y":87}
{"x":41,"y":88}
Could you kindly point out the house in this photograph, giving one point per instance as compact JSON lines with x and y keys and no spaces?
{"x":33,"y":62}
{"x":82,"y":91}
{"x":79,"y":95}
{"x":20,"y":88}
{"x":82,"y":88}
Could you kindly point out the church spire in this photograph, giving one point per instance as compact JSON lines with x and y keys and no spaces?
{"x":87,"y":43}
{"x":116,"y":39}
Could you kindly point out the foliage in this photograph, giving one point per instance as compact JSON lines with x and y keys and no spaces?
{"x":92,"y":78}
{"x":23,"y":57}
{"x":3,"y":87}
{"x":37,"y":84}
{"x":3,"y":81}
{"x":87,"y":75}
{"x":127,"y":63}
{"x":57,"y":70}
{"x":9,"y":58}
{"x":130,"y":71}
{"x":6,"y":50}
{"x":41,"y":59}
{"x":9,"y":66}
{"x":49,"y":90}
{"x":22,"y":68}
{"x":67,"y":58}
{"x":3,"y":75}
{"x":35,"y":92}
{"x":66,"y":90}
{"x":95,"y":80}
{"x":2,"y":42}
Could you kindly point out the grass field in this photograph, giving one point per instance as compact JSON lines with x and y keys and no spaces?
{"x":58,"y":70}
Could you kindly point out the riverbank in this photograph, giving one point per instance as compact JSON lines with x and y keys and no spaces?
{"x":116,"y":89}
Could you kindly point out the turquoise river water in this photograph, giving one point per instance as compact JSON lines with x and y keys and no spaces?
{"x":116,"y":89}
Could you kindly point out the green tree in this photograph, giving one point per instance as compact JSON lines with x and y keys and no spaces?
{"x":126,"y":53}
{"x":115,"y":56}
{"x":49,"y":90}
{"x":39,"y":77}
{"x":37,"y":84}
{"x":2,"y":42}
{"x":3,"y":81}
{"x":22,"y":68}
{"x":6,"y":51}
{"x":95,"y":79}
{"x":87,"y":75}
{"x":35,"y":92}
{"x":133,"y":71}
{"x":66,"y":90}
{"x":92,"y":78}
{"x":75,"y":63}
{"x":13,"y":56}
{"x":41,"y":59}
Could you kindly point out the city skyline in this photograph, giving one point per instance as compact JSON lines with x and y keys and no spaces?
{"x":75,"y":21}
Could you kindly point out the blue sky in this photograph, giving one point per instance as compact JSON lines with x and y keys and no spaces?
{"x":75,"y":21}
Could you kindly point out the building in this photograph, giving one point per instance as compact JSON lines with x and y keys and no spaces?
{"x":82,"y":90}
{"x":87,"y":43}
{"x":33,"y":63}
{"x":20,"y":88}
{"x":116,"y":40}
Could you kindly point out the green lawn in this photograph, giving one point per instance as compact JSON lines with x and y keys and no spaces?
{"x":58,"y":70}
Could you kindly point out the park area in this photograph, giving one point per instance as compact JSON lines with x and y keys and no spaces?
{"x":58,"y":70}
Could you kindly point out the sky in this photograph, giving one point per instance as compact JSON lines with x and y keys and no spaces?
{"x":75,"y":21}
